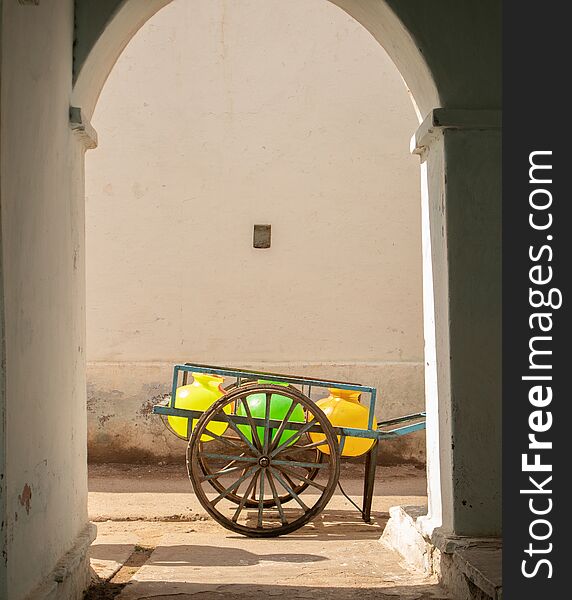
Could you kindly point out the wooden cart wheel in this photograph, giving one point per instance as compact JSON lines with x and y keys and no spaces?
{"x":310,"y":456}
{"x":261,"y":463}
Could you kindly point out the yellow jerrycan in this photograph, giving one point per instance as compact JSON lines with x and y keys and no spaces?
{"x":199,"y":395}
{"x":343,"y":409}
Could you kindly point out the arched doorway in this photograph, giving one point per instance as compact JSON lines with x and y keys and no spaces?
{"x":446,"y":135}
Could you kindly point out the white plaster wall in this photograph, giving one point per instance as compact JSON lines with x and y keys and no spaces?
{"x":222,"y":114}
{"x":43,"y":272}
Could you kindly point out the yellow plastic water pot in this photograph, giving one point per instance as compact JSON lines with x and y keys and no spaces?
{"x":199,"y":395}
{"x":343,"y":409}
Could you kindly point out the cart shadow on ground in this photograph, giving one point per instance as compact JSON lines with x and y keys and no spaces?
{"x":198,"y":555}
{"x":330,"y":526}
{"x":336,"y":525}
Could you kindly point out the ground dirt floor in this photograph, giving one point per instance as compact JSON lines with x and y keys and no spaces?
{"x":156,"y":542}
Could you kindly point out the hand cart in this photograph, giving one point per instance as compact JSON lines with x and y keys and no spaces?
{"x":245,"y":469}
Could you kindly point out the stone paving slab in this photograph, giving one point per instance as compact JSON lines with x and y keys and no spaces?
{"x":483,"y":566}
{"x":326,"y":561}
{"x":110,"y":551}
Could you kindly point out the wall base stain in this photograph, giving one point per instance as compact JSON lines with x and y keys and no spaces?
{"x":123,"y":429}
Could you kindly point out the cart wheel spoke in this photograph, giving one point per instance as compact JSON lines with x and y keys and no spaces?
{"x":221,"y":473}
{"x":288,"y":488}
{"x":290,"y":481}
{"x":240,"y":434}
{"x":234,"y":485}
{"x":239,"y":508}
{"x":232,"y":462}
{"x":285,"y":470}
{"x":280,"y":430}
{"x":261,"y":499}
{"x":277,"y":499}
{"x":304,"y":465}
{"x":241,"y":458}
{"x":312,"y":446}
{"x":253,"y":429}
{"x":291,"y":440}
{"x":267,"y":423}
{"x":235,"y":492}
{"x":222,"y":438}
{"x":227,"y":466}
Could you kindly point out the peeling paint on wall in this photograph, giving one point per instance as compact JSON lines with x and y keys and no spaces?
{"x":25,"y":498}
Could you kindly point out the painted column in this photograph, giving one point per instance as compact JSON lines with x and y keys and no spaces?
{"x":461,"y":167}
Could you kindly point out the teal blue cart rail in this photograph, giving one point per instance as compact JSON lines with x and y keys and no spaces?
{"x":245,"y":469}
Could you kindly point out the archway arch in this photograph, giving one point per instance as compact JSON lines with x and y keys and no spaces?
{"x":102,"y":34}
